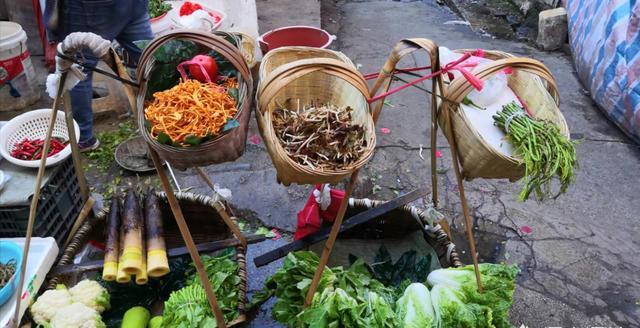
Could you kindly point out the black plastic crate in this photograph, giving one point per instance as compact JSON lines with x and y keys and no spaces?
{"x":59,"y":206}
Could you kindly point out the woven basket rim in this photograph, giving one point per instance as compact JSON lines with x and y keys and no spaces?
{"x":433,"y":230}
{"x":269,"y":132}
{"x":244,"y":93}
{"x":564,"y":129}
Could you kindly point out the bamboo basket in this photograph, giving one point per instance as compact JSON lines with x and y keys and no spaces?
{"x":229,"y":145}
{"x":284,"y":55}
{"x":396,"y":225}
{"x":531,"y":81}
{"x":320,"y":76}
{"x":204,"y":220}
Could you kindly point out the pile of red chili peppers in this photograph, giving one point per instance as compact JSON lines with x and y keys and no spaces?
{"x":29,"y":150}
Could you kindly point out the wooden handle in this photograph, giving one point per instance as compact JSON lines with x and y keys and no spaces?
{"x":285,"y":74}
{"x":215,"y":42}
{"x":459,"y":88}
{"x":403,"y":48}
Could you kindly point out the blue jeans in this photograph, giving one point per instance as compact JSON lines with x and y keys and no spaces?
{"x":125,"y":21}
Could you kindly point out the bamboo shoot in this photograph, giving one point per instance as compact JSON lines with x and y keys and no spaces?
{"x":132,"y":224}
{"x":121,"y":276}
{"x":157,"y":262}
{"x":112,"y":247}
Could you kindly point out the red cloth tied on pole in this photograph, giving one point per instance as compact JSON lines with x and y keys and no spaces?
{"x":311,"y":216}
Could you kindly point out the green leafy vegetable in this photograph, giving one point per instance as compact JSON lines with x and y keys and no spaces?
{"x":103,"y":156}
{"x":406,"y":268}
{"x":290,"y":285}
{"x":189,"y":307}
{"x":158,"y":7}
{"x":452,"y":310}
{"x":347,"y":298}
{"x":414,"y":308}
{"x":498,"y":282}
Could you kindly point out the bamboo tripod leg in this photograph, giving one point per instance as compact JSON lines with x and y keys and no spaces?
{"x":328,"y":246}
{"x":186,"y":235}
{"x":434,"y":136}
{"x":75,"y":151}
{"x":36,"y":197}
{"x":463,"y":201}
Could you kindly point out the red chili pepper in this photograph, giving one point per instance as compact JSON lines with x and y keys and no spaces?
{"x":188,"y":8}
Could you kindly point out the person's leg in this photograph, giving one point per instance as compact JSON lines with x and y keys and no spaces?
{"x":138,"y":29}
{"x":96,"y":16}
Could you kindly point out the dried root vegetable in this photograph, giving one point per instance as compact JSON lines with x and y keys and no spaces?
{"x":320,"y":137}
{"x":191,"y":110}
{"x":6,"y":272}
{"x":544,"y":150}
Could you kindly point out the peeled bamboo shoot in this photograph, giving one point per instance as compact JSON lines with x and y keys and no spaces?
{"x":132,"y":224}
{"x":142,"y":277}
{"x":157,"y":262}
{"x":121,"y":276}
{"x":112,"y":248}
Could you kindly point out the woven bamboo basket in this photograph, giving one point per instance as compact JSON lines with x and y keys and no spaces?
{"x":395,"y":225}
{"x":229,"y":145}
{"x":311,"y":80}
{"x":284,"y":55}
{"x":203,"y":219}
{"x":531,"y":81}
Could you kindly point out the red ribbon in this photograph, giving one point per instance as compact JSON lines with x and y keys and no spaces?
{"x":456,"y":65}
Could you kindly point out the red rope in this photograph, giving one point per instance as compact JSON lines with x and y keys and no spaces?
{"x":450,"y":66}
{"x":372,"y":76}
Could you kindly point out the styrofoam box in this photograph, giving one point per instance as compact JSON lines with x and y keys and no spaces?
{"x":42,"y":256}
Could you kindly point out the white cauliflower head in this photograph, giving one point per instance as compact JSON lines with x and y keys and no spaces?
{"x":91,"y":294}
{"x":49,"y":303}
{"x":76,"y":315}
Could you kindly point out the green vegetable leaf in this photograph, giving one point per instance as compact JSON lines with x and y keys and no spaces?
{"x":164,"y":139}
{"x":192,"y":140}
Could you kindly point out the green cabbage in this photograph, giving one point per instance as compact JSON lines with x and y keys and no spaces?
{"x":498,"y":282}
{"x":414,"y":308}
{"x":452,"y":309}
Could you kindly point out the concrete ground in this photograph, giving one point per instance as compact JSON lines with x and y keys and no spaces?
{"x":579,"y":263}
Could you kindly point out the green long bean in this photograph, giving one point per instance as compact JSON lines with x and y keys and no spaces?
{"x":545,"y":152}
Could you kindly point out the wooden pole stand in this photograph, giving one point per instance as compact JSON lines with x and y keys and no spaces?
{"x":188,"y":239}
{"x":328,"y":246}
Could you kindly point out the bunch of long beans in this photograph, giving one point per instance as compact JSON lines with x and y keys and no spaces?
{"x":544,"y":150}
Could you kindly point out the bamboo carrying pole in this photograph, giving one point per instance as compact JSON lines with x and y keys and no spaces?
{"x":328,"y":246}
{"x":36,"y":198}
{"x":186,"y":235}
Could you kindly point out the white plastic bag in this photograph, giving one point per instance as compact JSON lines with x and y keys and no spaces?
{"x":492,"y":89}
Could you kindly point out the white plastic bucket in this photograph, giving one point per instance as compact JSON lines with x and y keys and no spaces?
{"x":18,"y":85}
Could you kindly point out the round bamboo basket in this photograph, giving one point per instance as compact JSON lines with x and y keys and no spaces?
{"x":398,"y":224}
{"x":230,"y":144}
{"x":205,"y":224}
{"x":311,"y":80}
{"x":281,"y":56}
{"x":531,"y":81}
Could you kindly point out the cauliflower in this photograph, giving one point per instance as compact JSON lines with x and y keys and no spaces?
{"x":77,"y":315}
{"x":91,"y":294}
{"x":49,"y":303}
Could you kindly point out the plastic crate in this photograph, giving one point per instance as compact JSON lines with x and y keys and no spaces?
{"x":59,"y":206}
